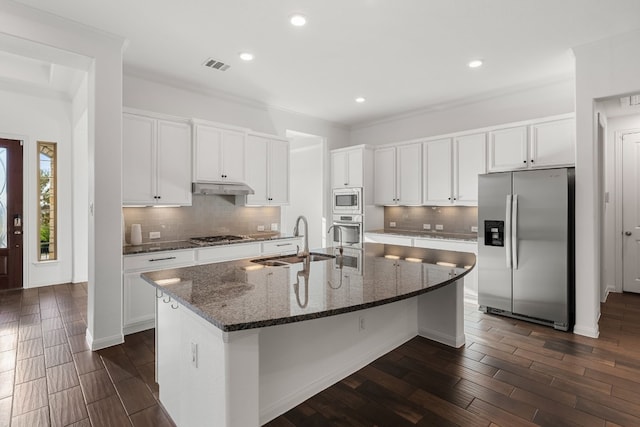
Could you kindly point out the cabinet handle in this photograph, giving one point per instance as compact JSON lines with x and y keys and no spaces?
{"x":285,"y":244}
{"x":175,"y":306}
{"x":162,"y":259}
{"x":346,"y":183}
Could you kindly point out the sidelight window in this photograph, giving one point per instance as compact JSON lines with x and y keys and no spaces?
{"x":47,"y":206}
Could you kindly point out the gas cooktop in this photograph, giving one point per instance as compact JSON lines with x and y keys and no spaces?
{"x":218,"y":240}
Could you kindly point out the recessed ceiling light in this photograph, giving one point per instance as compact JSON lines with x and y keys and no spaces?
{"x":475,"y":63}
{"x":298,"y":20}
{"x":360,"y":100}
{"x":246,"y":56}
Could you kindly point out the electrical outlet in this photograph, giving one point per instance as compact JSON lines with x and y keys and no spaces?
{"x":154,"y":235}
{"x":474,"y":228}
{"x":392,"y":224}
{"x":439,"y":227}
{"x":426,"y":226}
{"x":274,"y":226}
{"x":194,"y":354}
{"x":261,"y":228}
{"x":361,"y":324}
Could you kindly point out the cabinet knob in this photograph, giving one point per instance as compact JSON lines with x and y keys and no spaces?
{"x":524,"y":161}
{"x":448,"y":198}
{"x":346,"y":183}
{"x":531,"y":160}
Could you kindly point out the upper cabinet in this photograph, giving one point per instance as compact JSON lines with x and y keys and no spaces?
{"x":398,"y":175}
{"x":451,"y":171}
{"x":218,"y":154}
{"x":156,"y":156}
{"x":538,"y":145}
{"x":347,"y":168}
{"x":267,"y":169}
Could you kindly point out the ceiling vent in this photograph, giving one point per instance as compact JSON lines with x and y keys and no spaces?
{"x":630,"y":101}
{"x":216,"y":65}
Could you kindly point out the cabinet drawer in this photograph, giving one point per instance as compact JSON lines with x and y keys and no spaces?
{"x":227,"y":252}
{"x":389,"y":240}
{"x":157,"y":260}
{"x":280,"y":246}
{"x":446,"y":245}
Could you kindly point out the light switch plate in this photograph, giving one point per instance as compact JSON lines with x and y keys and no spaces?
{"x":426,"y":226}
{"x":274,"y":226}
{"x":474,"y":229}
{"x":392,"y":224}
{"x":439,"y":227}
{"x":261,"y":228}
{"x":154,"y":235}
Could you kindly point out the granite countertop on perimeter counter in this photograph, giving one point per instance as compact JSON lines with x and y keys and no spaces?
{"x":467,"y":237}
{"x":186,"y":244}
{"x":237,"y":295}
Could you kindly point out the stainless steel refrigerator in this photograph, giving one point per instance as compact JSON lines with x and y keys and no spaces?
{"x":525,"y":245}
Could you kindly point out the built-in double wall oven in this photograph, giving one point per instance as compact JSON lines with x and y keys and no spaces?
{"x":347,"y":229}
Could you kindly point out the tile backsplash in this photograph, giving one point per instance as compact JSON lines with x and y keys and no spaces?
{"x":209,"y":215}
{"x":454,"y":219}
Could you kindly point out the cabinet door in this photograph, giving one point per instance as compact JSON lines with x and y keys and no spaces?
{"x":278,"y":178}
{"x":508,"y":149}
{"x":355,"y":171}
{"x":174,"y":163}
{"x":139,"y":309}
{"x":138,"y":160}
{"x":553,"y":143}
{"x":438,"y":174}
{"x":339,"y":174}
{"x":233,"y":156}
{"x":207,"y":154}
{"x":385,"y":176}
{"x":469,"y":162}
{"x":256,"y":169}
{"x":409,"y":169}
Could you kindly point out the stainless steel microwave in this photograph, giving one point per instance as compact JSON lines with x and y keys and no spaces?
{"x":347,"y":200}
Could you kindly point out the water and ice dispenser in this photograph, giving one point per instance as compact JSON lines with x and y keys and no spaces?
{"x":494,"y":233}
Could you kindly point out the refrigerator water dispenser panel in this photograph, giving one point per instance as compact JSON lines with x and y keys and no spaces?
{"x":494,"y":233}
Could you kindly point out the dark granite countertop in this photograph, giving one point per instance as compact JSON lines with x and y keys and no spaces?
{"x":239,"y":295}
{"x":185,"y":244}
{"x":470,"y":237}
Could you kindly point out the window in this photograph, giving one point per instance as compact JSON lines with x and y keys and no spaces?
{"x":47,"y":212}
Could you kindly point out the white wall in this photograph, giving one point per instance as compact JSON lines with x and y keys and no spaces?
{"x":163,"y":98}
{"x":306,"y":192}
{"x":604,"y":68}
{"x":548,"y":100}
{"x":101,"y":55}
{"x":34,"y":118}
{"x":80,"y":160}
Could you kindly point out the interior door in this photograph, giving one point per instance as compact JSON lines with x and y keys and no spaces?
{"x":11,"y":219}
{"x":631,"y":212}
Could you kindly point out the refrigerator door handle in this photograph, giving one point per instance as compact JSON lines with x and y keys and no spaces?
{"x":507,"y":230}
{"x":514,"y":232}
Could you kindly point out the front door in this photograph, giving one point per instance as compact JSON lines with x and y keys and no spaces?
{"x":10,"y":214}
{"x":631,"y":212}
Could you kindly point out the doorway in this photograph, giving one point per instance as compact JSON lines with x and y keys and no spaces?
{"x":307,"y":195}
{"x":11,"y":214}
{"x":631,"y":212}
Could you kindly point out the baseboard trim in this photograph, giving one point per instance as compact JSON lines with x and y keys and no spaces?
{"x":446,"y":339}
{"x":139,"y":326}
{"x":103,"y":342}
{"x":586,"y":331}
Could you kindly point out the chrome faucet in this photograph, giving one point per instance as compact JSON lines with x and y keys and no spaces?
{"x":296,"y":233}
{"x":339,"y":228}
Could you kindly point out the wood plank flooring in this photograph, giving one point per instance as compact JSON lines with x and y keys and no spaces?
{"x":510,"y":373}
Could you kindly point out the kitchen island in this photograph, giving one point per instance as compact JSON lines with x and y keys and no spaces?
{"x":241,"y":342}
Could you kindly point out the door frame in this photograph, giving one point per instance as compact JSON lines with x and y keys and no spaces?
{"x":26,"y":203}
{"x":619,"y":272}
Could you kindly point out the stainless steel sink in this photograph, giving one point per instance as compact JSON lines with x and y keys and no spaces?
{"x":282,"y":260}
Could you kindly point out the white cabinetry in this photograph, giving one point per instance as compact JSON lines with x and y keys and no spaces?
{"x":211,"y":254}
{"x":156,"y":161}
{"x":218,"y":154}
{"x":281,"y":246}
{"x":537,"y":145}
{"x":347,"y":168}
{"x":267,"y":170}
{"x":451,"y":172}
{"x":398,"y":175}
{"x":138,"y":296}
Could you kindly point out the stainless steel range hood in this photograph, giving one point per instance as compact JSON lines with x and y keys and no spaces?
{"x":221,"y":188}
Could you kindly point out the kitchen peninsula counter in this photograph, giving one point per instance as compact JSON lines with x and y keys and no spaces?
{"x":240,"y":343}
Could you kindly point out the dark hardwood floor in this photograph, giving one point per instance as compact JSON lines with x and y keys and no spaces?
{"x":510,"y":373}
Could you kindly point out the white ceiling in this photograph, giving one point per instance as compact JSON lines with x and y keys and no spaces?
{"x":401,"y":55}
